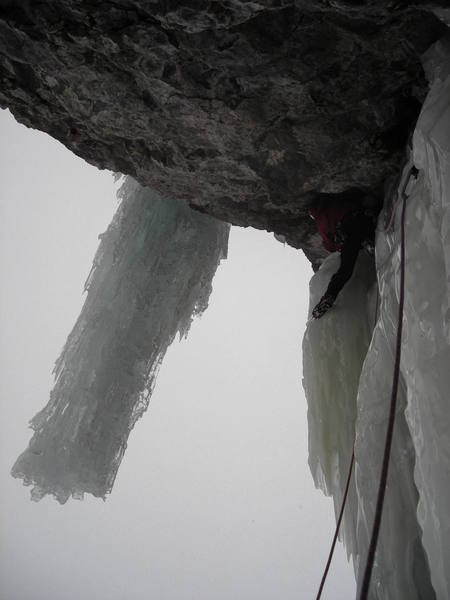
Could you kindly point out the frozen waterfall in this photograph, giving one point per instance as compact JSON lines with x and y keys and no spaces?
{"x":151,"y":275}
{"x":348,"y":375}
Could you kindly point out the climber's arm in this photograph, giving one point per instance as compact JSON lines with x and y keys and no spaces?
{"x":349,"y":254}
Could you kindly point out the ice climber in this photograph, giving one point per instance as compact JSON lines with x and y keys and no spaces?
{"x":345,"y":226}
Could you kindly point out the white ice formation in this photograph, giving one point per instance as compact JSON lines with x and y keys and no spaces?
{"x":151,"y":275}
{"x":348,"y":367}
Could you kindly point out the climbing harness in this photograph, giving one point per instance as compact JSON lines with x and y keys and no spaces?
{"x":390,"y":428}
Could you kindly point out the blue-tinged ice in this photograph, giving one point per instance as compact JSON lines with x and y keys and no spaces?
{"x":151,"y":275}
{"x":348,"y":375}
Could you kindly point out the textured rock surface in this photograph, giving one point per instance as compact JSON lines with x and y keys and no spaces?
{"x":247,"y":110}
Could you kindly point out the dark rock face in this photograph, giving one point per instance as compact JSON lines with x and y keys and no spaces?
{"x":247,"y":110}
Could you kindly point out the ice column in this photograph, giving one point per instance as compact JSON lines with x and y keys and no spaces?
{"x":401,"y":569}
{"x":347,"y":384}
{"x":151,"y":275}
{"x":413,"y":554}
{"x":426,"y":349}
{"x":423,"y":446}
{"x":334,"y":348}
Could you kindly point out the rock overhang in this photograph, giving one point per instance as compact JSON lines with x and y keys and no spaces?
{"x":248,"y":111}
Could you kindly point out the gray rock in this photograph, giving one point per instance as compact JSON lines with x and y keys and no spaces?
{"x":247,"y":110}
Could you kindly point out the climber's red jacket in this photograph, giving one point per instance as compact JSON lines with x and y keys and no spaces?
{"x":327,"y":221}
{"x":346,"y":229}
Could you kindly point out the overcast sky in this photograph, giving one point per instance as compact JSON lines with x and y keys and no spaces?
{"x":214,"y":499}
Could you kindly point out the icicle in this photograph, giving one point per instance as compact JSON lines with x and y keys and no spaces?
{"x":151,"y":275}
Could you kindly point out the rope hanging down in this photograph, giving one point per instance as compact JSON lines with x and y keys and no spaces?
{"x":390,"y":428}
{"x":347,"y":486}
{"x":389,"y":433}
{"x":338,"y":526}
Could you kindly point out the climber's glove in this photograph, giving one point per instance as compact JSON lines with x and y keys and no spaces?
{"x":326,"y":302}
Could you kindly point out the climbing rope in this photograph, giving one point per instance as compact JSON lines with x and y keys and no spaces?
{"x":393,"y":404}
{"x":347,"y":485}
{"x":338,"y":525}
{"x":390,"y":428}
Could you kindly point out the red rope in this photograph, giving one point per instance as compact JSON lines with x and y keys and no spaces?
{"x":390,"y":427}
{"x":338,"y":525}
{"x":347,"y":485}
{"x":389,"y":432}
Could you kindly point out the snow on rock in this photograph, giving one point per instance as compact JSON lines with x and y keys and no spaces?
{"x":151,"y":275}
{"x":343,"y":382}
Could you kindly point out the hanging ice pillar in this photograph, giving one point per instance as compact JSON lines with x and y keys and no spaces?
{"x":348,"y":390}
{"x":151,"y":275}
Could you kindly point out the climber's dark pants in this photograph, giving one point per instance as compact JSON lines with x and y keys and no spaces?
{"x":355,"y":230}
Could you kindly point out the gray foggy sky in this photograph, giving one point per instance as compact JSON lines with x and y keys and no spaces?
{"x":214,"y":499}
